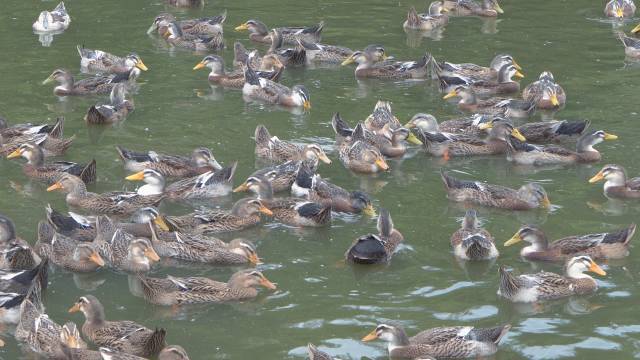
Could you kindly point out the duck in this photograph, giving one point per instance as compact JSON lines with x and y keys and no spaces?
{"x":434,"y":18}
{"x":175,"y":37}
{"x":49,"y":137}
{"x":317,"y":53}
{"x":73,"y":225}
{"x":272,"y":148}
{"x":553,"y":131}
{"x":609,"y":245}
{"x":529,"y":196}
{"x":548,"y":94}
{"x":173,"y":352}
{"x":314,"y":354}
{"x":620,"y":9}
{"x":368,"y":67}
{"x":103,"y":62}
{"x":174,"y":291}
{"x":93,"y":85}
{"x":115,"y":111}
{"x":631,"y":45}
{"x":495,"y":106}
{"x":21,"y":281}
{"x":381,"y":116}
{"x":36,"y":167}
{"x":235,"y":79}
{"x":474,"y":71}
{"x":185,"y":3}
{"x":125,"y":336}
{"x":446,"y":145}
{"x":211,"y":25}
{"x":244,"y":214}
{"x":376,"y":249}
{"x":360,"y":157}
{"x":257,"y":88}
{"x":199,"y":162}
{"x":259,"y":32}
{"x":483,"y":8}
{"x":208,"y":185}
{"x":8,"y":132}
{"x":289,"y":211}
{"x":113,"y":203}
{"x":537,"y":155}
{"x":283,"y":176}
{"x":544,"y":285}
{"x":441,"y":342}
{"x":468,"y":125}
{"x":122,"y":251}
{"x":68,"y":253}
{"x":471,"y":241}
{"x":504,"y":84}
{"x":53,"y":21}
{"x":616,"y":184}
{"x":15,"y":252}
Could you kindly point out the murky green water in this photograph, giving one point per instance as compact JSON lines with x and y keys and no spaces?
{"x":320,"y":300}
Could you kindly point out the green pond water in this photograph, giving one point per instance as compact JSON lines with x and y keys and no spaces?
{"x":319,"y":299}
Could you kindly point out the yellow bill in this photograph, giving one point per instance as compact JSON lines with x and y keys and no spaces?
{"x":597,"y":177}
{"x":140,"y":65}
{"x":199,"y":66}
{"x":242,"y":27}
{"x":514,"y":240}
{"x":371,"y":336}
{"x":595,"y":268}
{"x":451,"y":94}
{"x":518,"y":135}
{"x":15,"y":154}
{"x":136,"y":177}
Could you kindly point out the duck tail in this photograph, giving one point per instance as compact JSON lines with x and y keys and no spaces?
{"x":88,"y":174}
{"x":493,"y":335}
{"x":42,"y":274}
{"x":324,"y":216}
{"x":93,"y":116}
{"x":622,"y":236}
{"x":412,"y":17}
{"x":262,"y":135}
{"x":66,"y":144}
{"x":156,"y":341}
{"x":572,"y":127}
{"x":509,"y":284}
{"x":58,"y":128}
{"x":385,"y":223}
{"x":340,"y":127}
{"x":477,"y":247}
{"x":316,"y":29}
{"x":46,"y":232}
{"x":358,"y":133}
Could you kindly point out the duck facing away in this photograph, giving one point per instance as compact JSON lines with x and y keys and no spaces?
{"x":53,"y":21}
{"x":376,"y":249}
{"x":620,"y":9}
{"x":472,"y":242}
{"x":433,"y":19}
{"x":115,"y":111}
{"x":616,"y":184}
{"x":272,"y":148}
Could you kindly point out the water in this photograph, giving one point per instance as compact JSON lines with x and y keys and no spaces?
{"x":320,"y":300}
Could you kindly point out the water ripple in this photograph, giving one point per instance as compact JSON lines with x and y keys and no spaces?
{"x":481,"y":312}
{"x":429,"y":292}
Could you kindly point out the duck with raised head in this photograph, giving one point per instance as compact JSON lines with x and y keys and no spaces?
{"x":474,"y":71}
{"x":195,"y":290}
{"x":259,"y":32}
{"x":547,"y":93}
{"x":484,"y":8}
{"x":125,"y":336}
{"x":50,"y":172}
{"x":261,"y":89}
{"x":457,"y":342}
{"x":66,"y":252}
{"x":368,"y":66}
{"x":434,"y":18}
{"x":544,"y":285}
{"x":376,"y":249}
{"x":98,"y":84}
{"x":471,"y":241}
{"x":620,"y":9}
{"x":470,"y":102}
{"x":272,"y":148}
{"x":209,"y":42}
{"x":529,"y":196}
{"x":289,"y":211}
{"x":616,"y":184}
{"x":235,"y":79}
{"x":52,"y":21}
{"x":99,"y":61}
{"x":609,"y":245}
{"x":200,"y":161}
{"x":115,"y":111}
{"x":526,"y":154}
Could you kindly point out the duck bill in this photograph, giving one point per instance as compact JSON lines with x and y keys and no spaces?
{"x":371,"y":336}
{"x":268,"y":284}
{"x":412,"y":139}
{"x":554,"y":100}
{"x":636,"y":29}
{"x":546,"y":203}
{"x":199,"y":66}
{"x":619,"y":13}
{"x":518,"y":135}
{"x":325,"y":159}
{"x":516,"y":65}
{"x":15,"y":154}
{"x":450,"y":95}
{"x":486,"y":126}
{"x":254,"y":259}
{"x":140,"y":65}
{"x":497,"y":8}
{"x":136,"y":177}
{"x":96,"y":259}
{"x":159,"y":221}
{"x":306,"y":105}
{"x":56,"y":186}
{"x":242,"y":27}
{"x":47,"y":80}
{"x":241,"y":188}
{"x":369,"y":210}
{"x":74,"y":308}
{"x":351,"y":60}
{"x":410,"y":125}
{"x":597,"y":177}
{"x":514,"y":240}
{"x":595,"y":268}
{"x":264,"y":210}
{"x":72,"y":342}
{"x":151,"y":255}
{"x":152,"y":28}
{"x":382,"y":164}
{"x":608,"y":136}
{"x":519,"y":75}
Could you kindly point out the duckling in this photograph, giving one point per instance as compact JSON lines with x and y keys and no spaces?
{"x":441,"y":342}
{"x":290,"y":211}
{"x":125,"y":336}
{"x":620,"y":9}
{"x":631,"y":45}
{"x":434,"y":18}
{"x":103,"y":62}
{"x":367,"y":67}
{"x":527,"y":154}
{"x":548,"y":94}
{"x":611,"y":245}
{"x":259,"y":32}
{"x":529,"y":196}
{"x":274,"y":149}
{"x":283,"y":176}
{"x":472,"y":242}
{"x":616,"y":183}
{"x":178,"y":166}
{"x":50,"y":172}
{"x":485,"y":8}
{"x":173,"y":352}
{"x":217,"y":76}
{"x":52,"y":21}
{"x":193,"y":290}
{"x":495,"y":106}
{"x":175,"y":37}
{"x":376,"y":249}
{"x":541,"y":286}
{"x":115,"y":111}
{"x":473,"y":71}
{"x":257,"y":88}
{"x":93,"y":85}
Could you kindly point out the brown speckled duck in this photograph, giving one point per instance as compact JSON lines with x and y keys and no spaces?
{"x":472,"y":242}
{"x":68,"y":86}
{"x":616,"y":183}
{"x":485,"y":8}
{"x":50,"y":172}
{"x":376,"y":249}
{"x":271,"y":148}
{"x":178,"y":166}
{"x":115,"y":111}
{"x":259,"y":32}
{"x":235,"y":79}
{"x":315,"y":354}
{"x":434,"y":18}
{"x":66,"y":252}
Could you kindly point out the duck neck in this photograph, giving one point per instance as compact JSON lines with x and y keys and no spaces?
{"x":151,"y":189}
{"x":400,"y":338}
{"x":240,"y":290}
{"x":79,"y":191}
{"x":95,"y":316}
{"x":540,"y":243}
{"x":468,"y":98}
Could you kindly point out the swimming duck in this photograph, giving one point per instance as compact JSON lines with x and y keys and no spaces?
{"x":616,"y":183}
{"x":174,"y":36}
{"x":360,"y":157}
{"x":49,"y":137}
{"x":271,"y":148}
{"x":259,"y":32}
{"x":177,"y":166}
{"x":473,"y":71}
{"x":88,"y":86}
{"x":544,"y":285}
{"x":472,"y":242}
{"x":283,"y":176}
{"x":290,"y":211}
{"x":52,"y":21}
{"x":15,"y":252}
{"x":548,"y":93}
{"x":495,"y":106}
{"x":173,"y":352}
{"x":115,"y":111}
{"x":21,"y":281}
{"x":529,"y":196}
{"x":441,"y":342}
{"x":236,"y":79}
{"x":620,"y":9}
{"x":104,"y":62}
{"x":631,"y":45}
{"x":315,"y":354}
{"x":125,"y":336}
{"x":504,"y":84}
{"x":485,"y":8}
{"x":66,"y":252}
{"x":611,"y":245}
{"x":468,"y":125}
{"x":114,"y":203}
{"x":553,"y":131}
{"x":8,"y":132}
{"x":207,"y":26}
{"x":76,"y":226}
{"x":434,"y":18}
{"x":376,"y":249}
{"x":257,"y":88}
{"x":316,"y":53}
{"x":368,"y":67}
{"x":194,"y":290}
{"x":537,"y":155}
{"x":49,"y":172}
